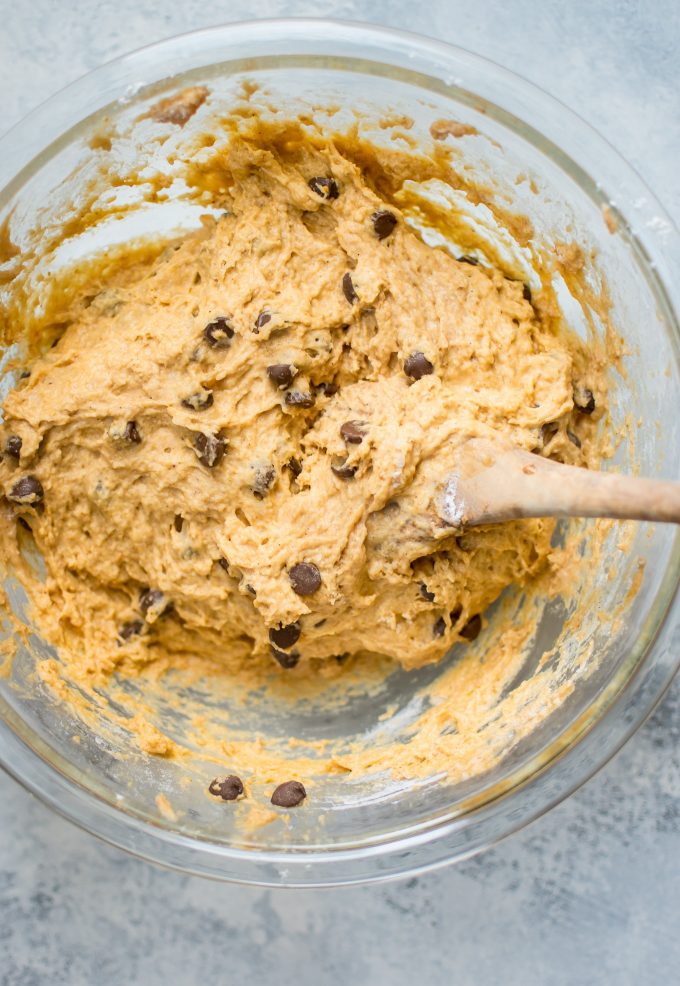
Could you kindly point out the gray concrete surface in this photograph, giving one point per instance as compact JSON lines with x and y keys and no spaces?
{"x":590,"y":894}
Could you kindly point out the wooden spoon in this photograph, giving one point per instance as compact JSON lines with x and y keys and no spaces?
{"x":490,"y":483}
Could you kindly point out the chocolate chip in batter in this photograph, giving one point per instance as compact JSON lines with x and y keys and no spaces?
{"x":574,"y":439}
{"x":265,"y":475}
{"x":330,"y":389}
{"x":286,"y":636}
{"x":200,"y":401}
{"x":178,"y":522}
{"x":548,"y":432}
{"x":526,"y":292}
{"x":13,"y":446}
{"x":228,"y":788}
{"x":305,"y":578}
{"x":327,"y":188}
{"x":353,"y":432}
{"x":439,"y":628}
{"x":348,"y":289}
{"x":426,"y":594}
{"x":289,"y":795}
{"x":210,"y":449}
{"x":281,"y":374}
{"x":223,"y":563}
{"x":261,"y":320}
{"x":471,"y":629}
{"x":294,"y":466}
{"x":27,"y":490}
{"x":417,"y":365}
{"x":154,"y":603}
{"x":219,"y":333}
{"x":341,"y":468}
{"x":286,"y":659}
{"x":132,"y":628}
{"x":298,"y":398}
{"x":467,"y":259}
{"x":384,"y":222}
{"x":131,"y":433}
{"x":584,"y":399}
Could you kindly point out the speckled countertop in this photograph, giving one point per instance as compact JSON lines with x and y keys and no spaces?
{"x":590,"y":894}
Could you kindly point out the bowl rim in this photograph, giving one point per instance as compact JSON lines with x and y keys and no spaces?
{"x":596,"y":739}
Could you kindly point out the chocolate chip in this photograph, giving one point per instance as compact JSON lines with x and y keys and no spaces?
{"x":383,"y":223}
{"x":439,"y":628}
{"x":348,"y":289}
{"x":24,"y":523}
{"x":25,"y":374}
{"x":298,"y":398}
{"x":454,"y":615}
{"x":584,"y":399}
{"x":223,"y":563}
{"x":353,"y":432}
{"x":341,"y":468}
{"x":471,"y":629}
{"x":281,"y":374}
{"x":264,"y":479}
{"x":261,"y":320}
{"x":329,"y":389}
{"x":285,"y":636}
{"x":250,"y":589}
{"x":417,"y":365}
{"x":27,"y":490}
{"x":285,"y":659}
{"x":305,"y":578}
{"x":548,"y":431}
{"x":132,"y":628}
{"x":327,"y":188}
{"x":210,"y":449}
{"x":154,"y":603}
{"x":178,"y":522}
{"x":131,"y":433}
{"x":467,"y":259}
{"x":295,"y":466}
{"x":574,"y":439}
{"x":228,"y":788}
{"x":289,"y":795}
{"x":219,"y":333}
{"x":13,"y":446}
{"x":526,"y":293}
{"x":426,"y":594}
{"x":200,"y":401}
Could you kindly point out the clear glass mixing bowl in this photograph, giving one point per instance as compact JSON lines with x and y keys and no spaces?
{"x":378,"y":827}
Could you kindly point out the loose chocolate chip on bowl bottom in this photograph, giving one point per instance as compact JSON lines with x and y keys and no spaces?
{"x":348,"y":289}
{"x":285,"y":636}
{"x":210,"y":449}
{"x":439,"y":628}
{"x":27,"y":490}
{"x":584,"y":399}
{"x":287,"y":659}
{"x":13,"y":446}
{"x":471,"y":629}
{"x":200,"y":401}
{"x":228,"y":788}
{"x":132,"y":628}
{"x":305,"y":578}
{"x":289,"y":795}
{"x":298,"y":398}
{"x":417,"y":365}
{"x":281,"y":374}
{"x":219,"y":333}
{"x":327,"y":188}
{"x":426,"y":594}
{"x":353,"y":432}
{"x":384,"y":222}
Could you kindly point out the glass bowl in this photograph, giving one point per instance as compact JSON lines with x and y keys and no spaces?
{"x":545,"y":162}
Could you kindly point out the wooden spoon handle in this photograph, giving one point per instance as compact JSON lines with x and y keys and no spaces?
{"x":513,"y":483}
